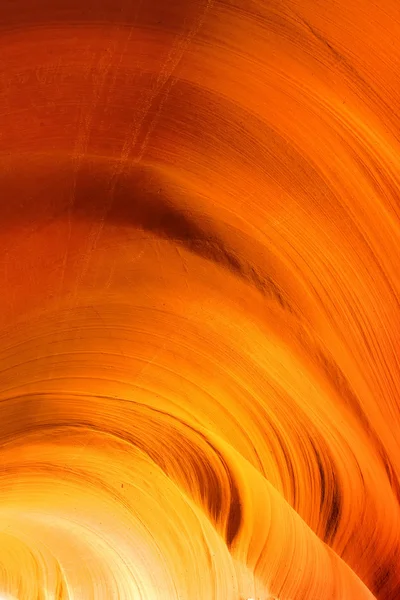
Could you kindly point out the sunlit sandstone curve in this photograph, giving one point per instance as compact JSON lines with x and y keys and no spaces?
{"x":199,"y":300}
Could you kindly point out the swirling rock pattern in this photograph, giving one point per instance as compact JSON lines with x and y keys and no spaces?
{"x":200,"y":320}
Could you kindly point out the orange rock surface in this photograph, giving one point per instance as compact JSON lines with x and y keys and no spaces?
{"x":199,"y":299}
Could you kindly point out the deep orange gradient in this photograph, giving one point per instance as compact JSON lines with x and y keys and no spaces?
{"x":199,"y":299}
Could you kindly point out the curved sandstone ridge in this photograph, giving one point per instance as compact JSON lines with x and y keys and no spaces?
{"x":199,"y":300}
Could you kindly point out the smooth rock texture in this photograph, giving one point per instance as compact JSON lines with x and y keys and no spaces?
{"x":199,"y":299}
